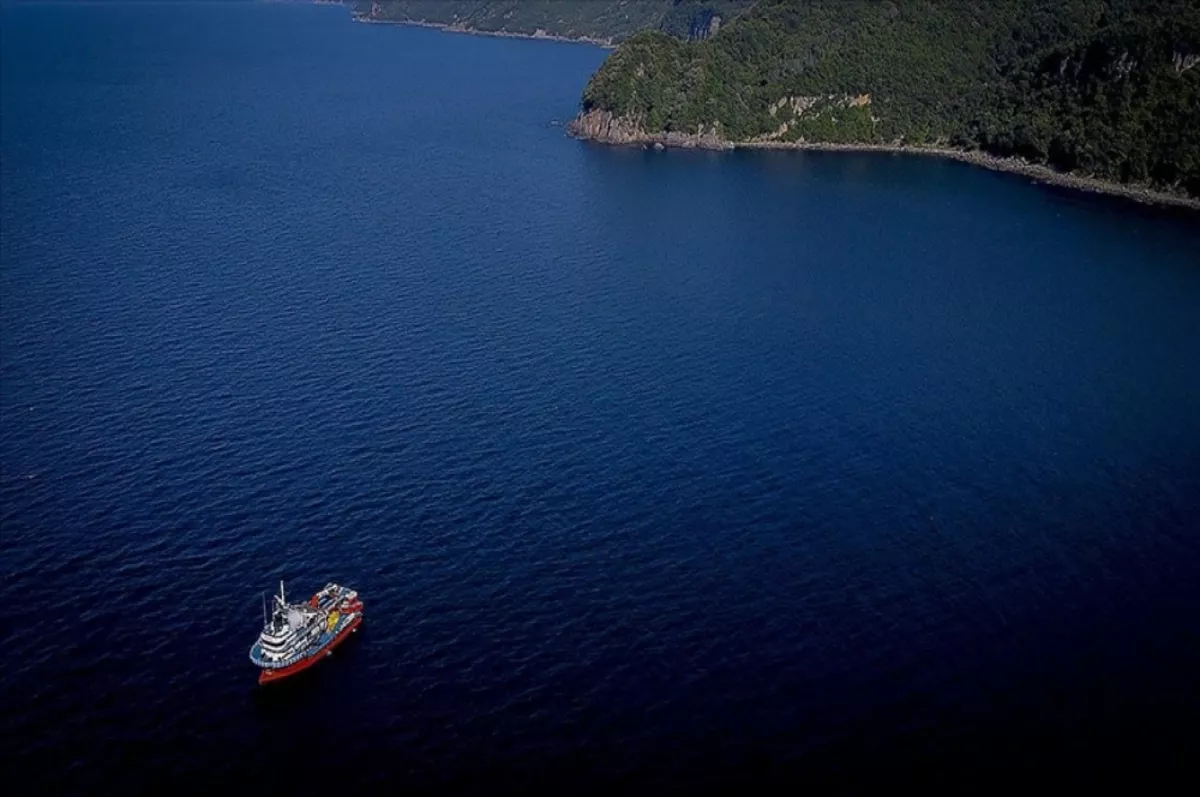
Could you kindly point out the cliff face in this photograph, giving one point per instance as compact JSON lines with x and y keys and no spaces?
{"x":1103,"y":88}
{"x":604,"y":127}
{"x":607,"y":128}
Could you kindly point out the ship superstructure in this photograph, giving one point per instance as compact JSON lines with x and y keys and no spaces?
{"x":296,"y":636}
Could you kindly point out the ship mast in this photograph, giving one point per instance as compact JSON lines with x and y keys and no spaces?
{"x":282,"y":597}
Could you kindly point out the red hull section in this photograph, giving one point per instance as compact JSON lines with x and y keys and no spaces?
{"x":268,"y":676}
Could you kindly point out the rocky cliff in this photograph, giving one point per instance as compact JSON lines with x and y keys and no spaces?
{"x":604,"y":127}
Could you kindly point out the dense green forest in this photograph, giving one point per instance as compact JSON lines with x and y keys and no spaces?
{"x":1109,"y":88}
{"x":600,"y":20}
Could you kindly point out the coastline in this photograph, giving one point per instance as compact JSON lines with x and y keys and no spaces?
{"x":606,"y":44}
{"x":1012,"y":165}
{"x":602,"y":127}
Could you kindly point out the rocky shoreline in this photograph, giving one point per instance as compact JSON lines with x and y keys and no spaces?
{"x":504,"y":34}
{"x":605,"y":128}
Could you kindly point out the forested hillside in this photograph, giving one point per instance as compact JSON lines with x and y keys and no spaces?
{"x":608,"y":21}
{"x":1109,"y":88}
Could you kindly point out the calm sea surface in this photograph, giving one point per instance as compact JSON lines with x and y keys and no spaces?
{"x":654,"y":469}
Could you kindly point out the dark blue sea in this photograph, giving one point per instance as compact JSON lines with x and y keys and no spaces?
{"x":656,"y":471}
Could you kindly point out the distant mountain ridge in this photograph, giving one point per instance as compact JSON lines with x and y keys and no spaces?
{"x":1104,"y":88}
{"x":601,"y":21}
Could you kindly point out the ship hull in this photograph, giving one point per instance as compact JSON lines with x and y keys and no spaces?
{"x":270,"y":676}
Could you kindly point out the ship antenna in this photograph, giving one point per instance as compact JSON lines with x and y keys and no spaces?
{"x":282,"y":597}
{"x":263,"y":595}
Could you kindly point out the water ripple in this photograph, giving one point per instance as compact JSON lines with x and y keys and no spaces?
{"x":645,"y":488}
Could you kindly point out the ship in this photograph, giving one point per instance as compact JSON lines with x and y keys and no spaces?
{"x":295,"y":636}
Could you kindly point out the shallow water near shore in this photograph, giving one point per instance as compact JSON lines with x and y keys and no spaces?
{"x":655,"y":470}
